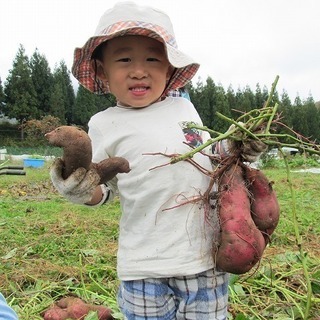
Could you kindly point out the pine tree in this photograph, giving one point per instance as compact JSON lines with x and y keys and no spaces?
{"x":260,"y":98}
{"x":42,"y":80}
{"x":64,"y":102}
{"x":85,"y":106}
{"x":285,"y":109}
{"x":20,"y":94}
{"x":312,"y":119}
{"x":88,"y":103}
{"x":205,"y":101}
{"x":299,"y":122}
{"x":57,"y":102}
{"x":2,"y":98}
{"x":246,"y":100}
{"x":221,"y":105}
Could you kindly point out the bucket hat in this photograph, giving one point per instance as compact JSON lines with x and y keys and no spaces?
{"x":128,"y":18}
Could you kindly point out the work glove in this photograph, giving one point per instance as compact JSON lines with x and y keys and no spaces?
{"x":250,"y":149}
{"x":78,"y":187}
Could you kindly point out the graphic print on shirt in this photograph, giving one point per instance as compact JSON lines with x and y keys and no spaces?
{"x":192,"y":135}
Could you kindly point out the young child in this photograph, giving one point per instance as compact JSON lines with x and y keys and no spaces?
{"x":165,"y":261}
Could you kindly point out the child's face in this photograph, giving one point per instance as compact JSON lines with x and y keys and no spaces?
{"x":136,"y":69}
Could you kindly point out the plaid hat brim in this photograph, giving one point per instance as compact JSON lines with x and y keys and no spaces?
{"x":185,"y":67}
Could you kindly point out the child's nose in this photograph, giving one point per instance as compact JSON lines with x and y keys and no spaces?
{"x":138,"y":71}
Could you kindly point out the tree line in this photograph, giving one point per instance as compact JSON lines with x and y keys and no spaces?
{"x":32,"y":91}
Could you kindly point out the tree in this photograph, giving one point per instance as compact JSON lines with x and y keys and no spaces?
{"x":62,"y":105}
{"x":57,"y":101}
{"x":245,"y":100}
{"x":312,"y":119}
{"x":42,"y":80}
{"x":2,"y":98}
{"x":260,"y":97}
{"x":285,"y":109}
{"x":88,"y":103}
{"x":232,"y":101}
{"x":299,"y":122}
{"x":20,"y":95}
{"x":221,"y":105}
{"x":204,"y":102}
{"x":85,"y":106}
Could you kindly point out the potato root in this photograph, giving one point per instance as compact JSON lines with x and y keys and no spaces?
{"x":77,"y":152}
{"x":241,"y":244}
{"x":265,"y":210}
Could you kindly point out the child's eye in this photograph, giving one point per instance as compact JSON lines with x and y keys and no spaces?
{"x":124,"y":60}
{"x":153,"y":59}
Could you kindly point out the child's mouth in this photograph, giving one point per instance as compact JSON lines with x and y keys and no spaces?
{"x":139,"y":89}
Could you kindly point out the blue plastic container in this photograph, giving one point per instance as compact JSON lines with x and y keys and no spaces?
{"x":33,"y":163}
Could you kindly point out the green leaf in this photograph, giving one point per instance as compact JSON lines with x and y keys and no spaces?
{"x":10,"y":254}
{"x":238,"y":289}
{"x":90,"y":252}
{"x":92,"y":315}
{"x":315,"y":287}
{"x":241,"y":316}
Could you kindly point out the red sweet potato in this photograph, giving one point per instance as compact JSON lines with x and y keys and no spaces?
{"x":76,"y":144}
{"x":78,"y":310}
{"x":66,"y":301}
{"x":56,"y":313}
{"x":74,"y":308}
{"x":265,"y":208}
{"x":77,"y":152}
{"x":104,"y":313}
{"x":241,"y":243}
{"x":110,"y":167}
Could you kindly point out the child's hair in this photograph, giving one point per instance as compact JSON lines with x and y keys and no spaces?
{"x":127,"y":18}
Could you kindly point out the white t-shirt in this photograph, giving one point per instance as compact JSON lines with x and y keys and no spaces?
{"x":156,"y":241}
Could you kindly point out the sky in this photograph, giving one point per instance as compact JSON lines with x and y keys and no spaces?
{"x":237,"y":42}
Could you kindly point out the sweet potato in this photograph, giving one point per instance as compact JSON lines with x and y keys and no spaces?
{"x":104,"y":313}
{"x":241,"y":243}
{"x":78,"y":310}
{"x":77,"y":152}
{"x":75,"y":308}
{"x":66,"y":301}
{"x":265,"y":208}
{"x":76,"y":144}
{"x":55,"y":313}
{"x":109,"y":168}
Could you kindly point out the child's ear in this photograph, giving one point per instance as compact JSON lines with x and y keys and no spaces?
{"x":98,"y":69}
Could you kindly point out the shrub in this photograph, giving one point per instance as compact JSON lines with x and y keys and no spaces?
{"x":36,"y":129}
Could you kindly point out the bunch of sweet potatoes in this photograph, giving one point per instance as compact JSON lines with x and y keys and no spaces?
{"x":248,"y":213}
{"x":75,"y":308}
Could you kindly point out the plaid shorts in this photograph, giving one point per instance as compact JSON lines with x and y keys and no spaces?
{"x":202,"y":296}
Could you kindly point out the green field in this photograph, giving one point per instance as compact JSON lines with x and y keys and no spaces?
{"x":51,"y":248}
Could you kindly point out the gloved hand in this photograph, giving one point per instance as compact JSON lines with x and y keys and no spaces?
{"x":78,"y":187}
{"x":250,"y":149}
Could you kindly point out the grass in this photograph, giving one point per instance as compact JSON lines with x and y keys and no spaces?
{"x":51,"y":248}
